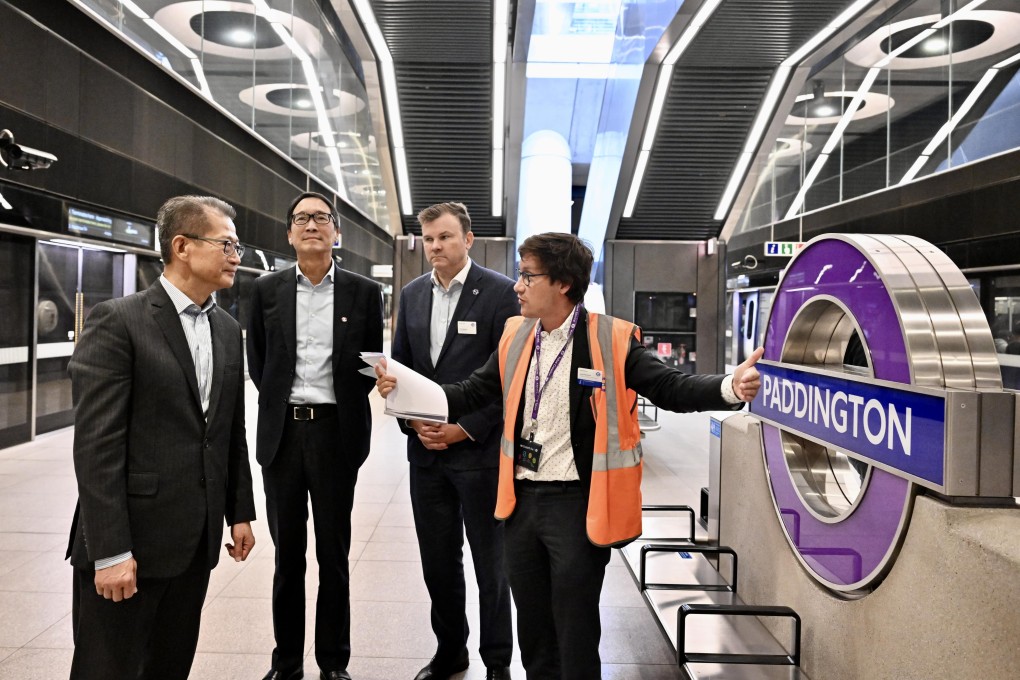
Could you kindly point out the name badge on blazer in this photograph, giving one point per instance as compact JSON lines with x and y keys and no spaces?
{"x":467,"y":328}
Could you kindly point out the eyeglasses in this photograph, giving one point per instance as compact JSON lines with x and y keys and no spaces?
{"x":528,"y":277}
{"x":228,"y":245}
{"x":301,"y":219}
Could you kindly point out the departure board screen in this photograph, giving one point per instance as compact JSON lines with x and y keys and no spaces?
{"x":86,"y":222}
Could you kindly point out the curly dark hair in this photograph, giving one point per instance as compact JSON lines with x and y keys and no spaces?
{"x":564,"y":257}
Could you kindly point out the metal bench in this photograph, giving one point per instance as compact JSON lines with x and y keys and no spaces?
{"x":714,"y":633}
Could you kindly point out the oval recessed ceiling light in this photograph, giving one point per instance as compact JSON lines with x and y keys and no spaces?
{"x":975,"y":35}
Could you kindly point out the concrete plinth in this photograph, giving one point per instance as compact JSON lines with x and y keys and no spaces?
{"x":949,"y":607}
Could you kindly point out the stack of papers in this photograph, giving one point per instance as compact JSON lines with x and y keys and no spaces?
{"x":415,"y":396}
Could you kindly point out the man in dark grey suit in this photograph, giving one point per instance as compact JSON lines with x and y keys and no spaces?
{"x":449,"y":323}
{"x":159,"y":453}
{"x":309,"y":325}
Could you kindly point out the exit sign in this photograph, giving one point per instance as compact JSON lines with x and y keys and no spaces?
{"x":782,"y":248}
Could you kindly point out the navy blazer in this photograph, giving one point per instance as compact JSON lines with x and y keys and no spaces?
{"x":272,"y":355}
{"x":488,"y":300}
{"x":155,"y":474}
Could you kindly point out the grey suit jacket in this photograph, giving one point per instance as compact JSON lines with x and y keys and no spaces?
{"x":154,"y":475}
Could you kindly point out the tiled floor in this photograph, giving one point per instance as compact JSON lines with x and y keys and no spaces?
{"x":391,"y":635}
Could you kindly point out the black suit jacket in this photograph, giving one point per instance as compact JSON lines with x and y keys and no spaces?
{"x":664,"y":386}
{"x":488,"y":300}
{"x":154,"y":474}
{"x":272,"y":353}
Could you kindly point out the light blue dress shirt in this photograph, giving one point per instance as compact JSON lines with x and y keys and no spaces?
{"x":444,"y":304}
{"x":313,"y":370}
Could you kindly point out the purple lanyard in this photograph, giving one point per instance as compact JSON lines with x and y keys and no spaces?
{"x":539,"y":388}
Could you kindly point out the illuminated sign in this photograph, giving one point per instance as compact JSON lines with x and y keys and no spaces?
{"x":900,"y":429}
{"x":86,"y":222}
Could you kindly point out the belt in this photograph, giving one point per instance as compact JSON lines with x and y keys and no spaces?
{"x":311,"y":411}
{"x":547,"y":486}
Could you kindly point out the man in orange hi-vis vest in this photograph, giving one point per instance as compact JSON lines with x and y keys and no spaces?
{"x":570,"y":464}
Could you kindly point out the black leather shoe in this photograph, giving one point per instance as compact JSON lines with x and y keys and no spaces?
{"x":274,"y":674}
{"x":497,"y":673}
{"x":334,"y":675}
{"x":441,"y":671}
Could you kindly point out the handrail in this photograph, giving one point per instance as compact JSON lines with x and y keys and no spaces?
{"x":670,"y":508}
{"x":687,"y":610}
{"x":700,"y":549}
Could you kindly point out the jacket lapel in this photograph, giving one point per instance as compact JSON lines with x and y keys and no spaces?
{"x":468,"y":295}
{"x":343,"y":307}
{"x":219,"y":366}
{"x":421,"y":303}
{"x":286,"y":304}
{"x":169,"y":322}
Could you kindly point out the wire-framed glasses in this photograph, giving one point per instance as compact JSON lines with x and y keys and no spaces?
{"x":228,"y":245}
{"x":527,"y":277}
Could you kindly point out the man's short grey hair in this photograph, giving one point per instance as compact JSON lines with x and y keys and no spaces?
{"x":186,"y":214}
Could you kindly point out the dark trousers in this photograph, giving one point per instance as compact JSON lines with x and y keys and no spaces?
{"x":311,"y":463}
{"x":150,"y":636}
{"x":556,"y":578}
{"x":447,"y":503}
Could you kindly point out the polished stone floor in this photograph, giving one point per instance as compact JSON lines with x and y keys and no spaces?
{"x":391,"y":635}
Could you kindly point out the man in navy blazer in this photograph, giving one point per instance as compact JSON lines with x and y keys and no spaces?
{"x":448,"y":324}
{"x":308,"y":326}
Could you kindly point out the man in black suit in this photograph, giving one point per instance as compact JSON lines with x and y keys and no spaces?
{"x":449,"y":322}
{"x":159,"y":453}
{"x":308,"y":327}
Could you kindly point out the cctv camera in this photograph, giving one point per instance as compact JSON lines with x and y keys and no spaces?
{"x":18,"y":157}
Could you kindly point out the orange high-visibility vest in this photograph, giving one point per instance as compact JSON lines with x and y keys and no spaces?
{"x":614,"y":501}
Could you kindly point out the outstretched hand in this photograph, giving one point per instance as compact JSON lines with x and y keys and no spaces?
{"x":746,"y":379}
{"x":384,"y":383}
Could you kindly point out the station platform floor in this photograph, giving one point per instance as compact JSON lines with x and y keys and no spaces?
{"x":391,"y":634}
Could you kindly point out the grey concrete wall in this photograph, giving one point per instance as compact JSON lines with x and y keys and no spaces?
{"x":949,"y":608}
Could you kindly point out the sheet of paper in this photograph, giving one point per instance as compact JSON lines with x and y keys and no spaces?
{"x":415,"y":397}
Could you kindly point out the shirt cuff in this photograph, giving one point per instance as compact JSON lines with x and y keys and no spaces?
{"x":108,"y":562}
{"x":728,"y":395}
{"x":466,"y":432}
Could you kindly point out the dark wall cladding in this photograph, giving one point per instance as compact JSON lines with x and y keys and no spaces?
{"x":128,"y":135}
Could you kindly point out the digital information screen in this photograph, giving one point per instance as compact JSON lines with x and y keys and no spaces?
{"x":85,"y":222}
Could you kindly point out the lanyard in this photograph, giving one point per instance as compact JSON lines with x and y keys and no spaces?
{"x":539,"y":388}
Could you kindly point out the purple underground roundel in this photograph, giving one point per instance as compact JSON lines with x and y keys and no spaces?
{"x":844,"y":554}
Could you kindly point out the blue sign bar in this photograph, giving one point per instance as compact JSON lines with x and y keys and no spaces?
{"x":901,"y":429}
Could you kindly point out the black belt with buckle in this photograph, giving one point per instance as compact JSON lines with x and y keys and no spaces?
{"x":311,"y":411}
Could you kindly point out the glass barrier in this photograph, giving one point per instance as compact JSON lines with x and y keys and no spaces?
{"x":280,"y":68}
{"x":926,"y":92}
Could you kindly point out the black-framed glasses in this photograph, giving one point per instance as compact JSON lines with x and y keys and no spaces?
{"x":228,"y":245}
{"x":527,"y":277}
{"x":301,"y":219}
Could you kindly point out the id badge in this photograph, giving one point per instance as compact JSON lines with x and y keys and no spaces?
{"x":589,"y":377}
{"x":528,"y":454}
